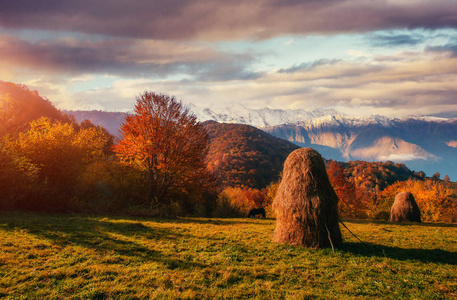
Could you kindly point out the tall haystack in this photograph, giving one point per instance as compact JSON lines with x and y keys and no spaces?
{"x":306,"y":205}
{"x":405,"y":209}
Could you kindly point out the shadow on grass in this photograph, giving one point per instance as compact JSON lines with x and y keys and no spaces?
{"x":422,"y":255}
{"x":102,"y":236}
{"x":224,"y":221}
{"x":196,"y":220}
{"x":399,"y":223}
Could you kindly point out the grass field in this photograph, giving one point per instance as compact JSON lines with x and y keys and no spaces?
{"x":80,"y":257}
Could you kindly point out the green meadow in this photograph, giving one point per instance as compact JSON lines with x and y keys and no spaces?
{"x":46,"y":256}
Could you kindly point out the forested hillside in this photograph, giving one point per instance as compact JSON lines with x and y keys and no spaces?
{"x":244,"y":156}
{"x":376,"y":176}
{"x":19,"y":106}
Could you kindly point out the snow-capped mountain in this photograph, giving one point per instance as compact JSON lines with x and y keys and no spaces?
{"x":240,"y":114}
{"x":422,"y":143}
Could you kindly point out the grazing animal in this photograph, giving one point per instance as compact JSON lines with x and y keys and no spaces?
{"x":257,"y":211}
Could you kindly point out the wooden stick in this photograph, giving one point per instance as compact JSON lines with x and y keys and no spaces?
{"x":329,"y":238}
{"x":349,"y":231}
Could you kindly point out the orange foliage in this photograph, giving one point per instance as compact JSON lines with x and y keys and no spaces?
{"x":354,"y":202}
{"x":61,"y":154}
{"x":163,"y":139}
{"x":375,"y":176}
{"x":257,"y":197}
{"x":60,"y":151}
{"x":437,"y":200}
{"x":237,"y":202}
{"x":20,"y":105}
{"x":244,"y":156}
{"x":17,"y":176}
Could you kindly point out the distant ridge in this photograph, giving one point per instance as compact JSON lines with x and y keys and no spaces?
{"x":240,"y":114}
{"x":112,"y":121}
{"x":422,"y":143}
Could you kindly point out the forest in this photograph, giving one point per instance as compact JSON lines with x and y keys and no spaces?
{"x":173,"y":165}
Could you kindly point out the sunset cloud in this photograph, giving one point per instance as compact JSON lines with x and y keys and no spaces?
{"x":358,"y":56}
{"x":217,"y":20}
{"x":422,"y":86}
{"x":132,"y":58}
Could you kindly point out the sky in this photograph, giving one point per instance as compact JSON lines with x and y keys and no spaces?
{"x":360,"y":57}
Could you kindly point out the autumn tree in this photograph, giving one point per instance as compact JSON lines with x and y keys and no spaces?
{"x":163,"y":139}
{"x":87,"y":124}
{"x":354,"y":201}
{"x":436,"y":199}
{"x":62,"y":154}
{"x":5,"y":114}
{"x":258,"y":198}
{"x":343,"y":188}
{"x":17,"y":176}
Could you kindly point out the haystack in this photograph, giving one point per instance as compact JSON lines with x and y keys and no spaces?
{"x":306,"y":205}
{"x":405,"y":209}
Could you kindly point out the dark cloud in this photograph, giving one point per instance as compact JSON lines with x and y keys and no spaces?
{"x":126,"y":57}
{"x":227,"y":72}
{"x":451,"y":115}
{"x":393,"y":40}
{"x":221,"y":19}
{"x":449,"y":48}
{"x":446,"y":97}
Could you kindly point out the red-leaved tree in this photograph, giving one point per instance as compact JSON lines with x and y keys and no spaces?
{"x":163,"y":139}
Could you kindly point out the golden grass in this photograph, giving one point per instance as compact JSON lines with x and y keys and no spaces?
{"x":87,"y":257}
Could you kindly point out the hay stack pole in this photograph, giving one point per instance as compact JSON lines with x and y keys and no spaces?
{"x":405,"y":209}
{"x":306,"y":205}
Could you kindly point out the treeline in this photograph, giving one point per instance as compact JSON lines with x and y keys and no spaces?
{"x":50,"y":162}
{"x":166,"y":163}
{"x":367,"y":190}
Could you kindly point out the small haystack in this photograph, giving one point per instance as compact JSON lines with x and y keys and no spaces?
{"x":405,"y":209}
{"x":306,"y":205}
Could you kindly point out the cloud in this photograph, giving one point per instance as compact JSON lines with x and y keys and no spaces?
{"x":403,"y":83}
{"x":225,"y":20}
{"x":423,"y":85}
{"x":395,"y":39}
{"x":450,"y":48}
{"x":308,"y":65}
{"x":125,"y":57}
{"x":357,"y":53}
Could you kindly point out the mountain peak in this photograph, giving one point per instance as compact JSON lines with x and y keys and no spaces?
{"x":240,"y":114}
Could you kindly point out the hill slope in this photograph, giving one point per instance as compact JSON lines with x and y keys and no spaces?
{"x":244,"y":155}
{"x":20,"y":105}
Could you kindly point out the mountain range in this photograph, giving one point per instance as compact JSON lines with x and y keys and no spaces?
{"x":426,"y":144}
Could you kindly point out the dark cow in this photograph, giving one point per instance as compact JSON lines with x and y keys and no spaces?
{"x":257,"y":211}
